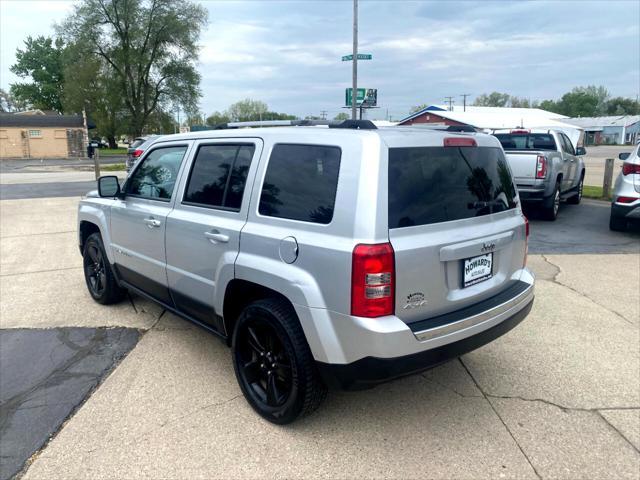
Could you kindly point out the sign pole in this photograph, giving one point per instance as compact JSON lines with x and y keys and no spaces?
{"x":354,"y":92}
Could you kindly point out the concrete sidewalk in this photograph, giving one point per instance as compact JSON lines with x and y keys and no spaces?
{"x":557,"y":397}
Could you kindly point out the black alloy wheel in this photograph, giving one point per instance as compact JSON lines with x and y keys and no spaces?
{"x":273,"y":362}
{"x":100,"y":279}
{"x":95,"y":270}
{"x":264,"y":363}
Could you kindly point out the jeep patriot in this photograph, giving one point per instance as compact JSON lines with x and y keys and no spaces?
{"x":324,"y":257}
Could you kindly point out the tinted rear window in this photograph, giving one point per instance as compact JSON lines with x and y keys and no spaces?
{"x":218,"y":175}
{"x":526,"y":141}
{"x":438,"y":184}
{"x":301,"y":183}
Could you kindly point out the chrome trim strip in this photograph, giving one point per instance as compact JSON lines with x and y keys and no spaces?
{"x":511,"y":306}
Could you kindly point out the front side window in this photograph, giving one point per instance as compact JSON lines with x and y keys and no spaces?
{"x":156,"y":176}
{"x":301,"y":183}
{"x":218,"y":175}
{"x":568,"y":146}
{"x":440,"y":184}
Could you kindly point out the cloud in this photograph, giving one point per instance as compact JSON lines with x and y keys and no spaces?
{"x":288,"y":53}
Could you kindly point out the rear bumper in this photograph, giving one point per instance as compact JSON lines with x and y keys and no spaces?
{"x":528,"y":194}
{"x":631,"y":212}
{"x":355,"y":352}
{"x":370,"y":371}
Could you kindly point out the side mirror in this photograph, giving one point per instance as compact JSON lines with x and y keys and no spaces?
{"x":624,"y":156}
{"x":581,"y":151}
{"x":108,"y":186}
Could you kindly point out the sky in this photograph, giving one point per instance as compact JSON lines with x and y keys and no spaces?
{"x":288,"y":53}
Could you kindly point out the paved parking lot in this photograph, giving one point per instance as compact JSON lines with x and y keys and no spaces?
{"x":558,"y":397}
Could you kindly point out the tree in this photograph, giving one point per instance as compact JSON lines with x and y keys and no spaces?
{"x":247,"y":111}
{"x":216,"y":118}
{"x":494,"y":99}
{"x":9,"y":104}
{"x":342,"y":116}
{"x":149,"y":47}
{"x":416,"y":108}
{"x":89,"y":86}
{"x":41,"y":61}
{"x":622,"y":106}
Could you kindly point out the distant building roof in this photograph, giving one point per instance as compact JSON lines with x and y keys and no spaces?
{"x":488,"y":113}
{"x":65,"y":121}
{"x":499,"y":118}
{"x":37,"y":111}
{"x":598,"y":123}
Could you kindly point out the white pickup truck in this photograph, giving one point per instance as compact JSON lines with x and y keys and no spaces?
{"x":546,"y":167}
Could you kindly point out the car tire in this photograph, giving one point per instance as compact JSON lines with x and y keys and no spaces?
{"x":551,"y":204}
{"x":617,"y":224}
{"x":575,"y":199}
{"x":273,"y":362}
{"x":101,"y":282}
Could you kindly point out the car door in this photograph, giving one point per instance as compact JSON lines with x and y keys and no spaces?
{"x":570,"y":161}
{"x":138,"y":220}
{"x":203,"y":230}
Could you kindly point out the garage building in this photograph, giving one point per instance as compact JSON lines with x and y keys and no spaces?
{"x":42,"y":135}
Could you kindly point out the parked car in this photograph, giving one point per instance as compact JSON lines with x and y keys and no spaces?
{"x":101,"y":143}
{"x":136,"y":148}
{"x":322,"y":256}
{"x":546,"y":167}
{"x":625,"y":205}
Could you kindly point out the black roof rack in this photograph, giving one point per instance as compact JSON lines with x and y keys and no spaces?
{"x":349,"y":124}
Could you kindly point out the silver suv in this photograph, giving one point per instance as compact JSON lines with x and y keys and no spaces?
{"x":344,"y":256}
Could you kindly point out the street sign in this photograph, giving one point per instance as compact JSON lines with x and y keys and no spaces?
{"x":361,"y":56}
{"x":367,"y":97}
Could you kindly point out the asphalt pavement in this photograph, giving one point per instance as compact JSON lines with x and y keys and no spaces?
{"x":45,"y":376}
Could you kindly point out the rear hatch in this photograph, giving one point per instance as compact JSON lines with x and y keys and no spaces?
{"x":522,"y":149}
{"x":455,"y":228}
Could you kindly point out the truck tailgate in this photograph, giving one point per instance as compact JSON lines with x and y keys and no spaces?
{"x":523,"y":166}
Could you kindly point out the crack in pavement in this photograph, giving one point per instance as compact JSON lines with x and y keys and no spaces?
{"x":40,"y":271}
{"x":37,"y":234}
{"x":501,"y":420}
{"x":558,"y":282}
{"x":615,"y":429}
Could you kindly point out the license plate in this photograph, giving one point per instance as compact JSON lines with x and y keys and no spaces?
{"x":477,"y":269}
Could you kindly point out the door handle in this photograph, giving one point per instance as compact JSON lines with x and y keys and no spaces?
{"x":152,"y":222}
{"x":215,"y":236}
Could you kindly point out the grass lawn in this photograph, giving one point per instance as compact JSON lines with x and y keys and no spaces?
{"x":113,"y":167}
{"x":590,"y":191}
{"x":113,"y":151}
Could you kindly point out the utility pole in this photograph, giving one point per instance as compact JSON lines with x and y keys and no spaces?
{"x":354,"y":86}
{"x":464,"y":101}
{"x":450,"y":101}
{"x":323,"y":114}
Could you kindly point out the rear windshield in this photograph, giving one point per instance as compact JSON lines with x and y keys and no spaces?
{"x":440,"y":184}
{"x":526,"y":141}
{"x":137,"y":142}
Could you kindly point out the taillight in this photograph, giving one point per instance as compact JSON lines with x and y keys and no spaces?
{"x":630,"y":168}
{"x":526,"y":241}
{"x":541,"y":167}
{"x":372,"y":280}
{"x":136,"y":153}
{"x":460,"y":142}
{"x":626,"y":199}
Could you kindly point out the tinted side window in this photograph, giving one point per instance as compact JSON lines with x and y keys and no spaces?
{"x":155,"y":177}
{"x":301,"y":183}
{"x":218,"y":175}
